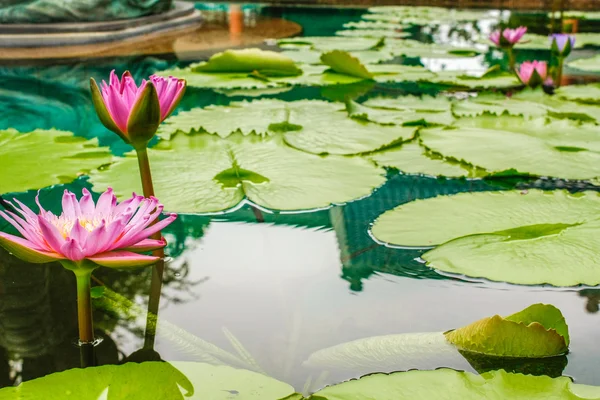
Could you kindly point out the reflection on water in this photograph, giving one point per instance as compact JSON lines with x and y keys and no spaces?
{"x":261,"y":291}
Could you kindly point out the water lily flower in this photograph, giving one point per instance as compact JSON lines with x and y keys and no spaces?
{"x":533,"y":73}
{"x":507,"y":38}
{"x":562,"y":44}
{"x":87,"y":235}
{"x":132,"y":112}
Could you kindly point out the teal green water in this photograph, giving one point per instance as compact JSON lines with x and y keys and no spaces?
{"x":285,"y":285}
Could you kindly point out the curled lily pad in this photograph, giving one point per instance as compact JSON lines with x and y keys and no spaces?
{"x":538,"y":331}
{"x":45,"y":157}
{"x":267,"y":63}
{"x":203,"y":173}
{"x":343,"y":63}
{"x":537,"y":237}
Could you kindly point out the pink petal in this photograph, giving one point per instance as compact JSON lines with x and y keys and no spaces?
{"x":23,"y":249}
{"x":147,"y":245}
{"x":26,"y":212}
{"x":86,"y":204}
{"x":105,"y":204}
{"x":70,"y":206}
{"x":71,"y":250}
{"x":133,"y":202}
{"x":26,"y":230}
{"x":109,"y":239}
{"x":78,"y":233}
{"x":146,"y":233}
{"x":117,"y":108}
{"x":123,"y":259}
{"x":51,"y":235}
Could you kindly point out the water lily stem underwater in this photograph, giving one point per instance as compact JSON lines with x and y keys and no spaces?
{"x":158,"y":269}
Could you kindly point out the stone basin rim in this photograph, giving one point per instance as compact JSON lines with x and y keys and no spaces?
{"x":179,"y":9}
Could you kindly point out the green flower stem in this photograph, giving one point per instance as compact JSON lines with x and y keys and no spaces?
{"x":511,"y":58}
{"x":84,"y":306}
{"x":157,"y":271}
{"x":559,"y":72}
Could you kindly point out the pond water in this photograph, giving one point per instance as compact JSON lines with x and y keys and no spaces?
{"x":271,"y":287}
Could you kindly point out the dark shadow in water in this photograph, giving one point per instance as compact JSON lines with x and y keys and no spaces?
{"x":550,"y":366}
{"x":592,"y":304}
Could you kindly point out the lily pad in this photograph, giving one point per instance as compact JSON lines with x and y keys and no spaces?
{"x":460,"y":79}
{"x":536,"y":238}
{"x":414,"y":48}
{"x":457,"y":385}
{"x":152,"y":380}
{"x":589,"y":93}
{"x":267,"y":63}
{"x":373,"y":25}
{"x":45,"y":157}
{"x":217,"y":80}
{"x":416,"y":103}
{"x":203,"y":173}
{"x":538,"y":331}
{"x":330,"y":43}
{"x":498,"y":104}
{"x":406,"y":116}
{"x":343,"y":63}
{"x":480,"y":213}
{"x":586,"y":64}
{"x":412,"y":158}
{"x":314,"y":57}
{"x":487,"y":144}
{"x":373,"y":33}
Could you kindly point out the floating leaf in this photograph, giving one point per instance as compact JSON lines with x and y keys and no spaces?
{"x":538,"y":331}
{"x":329,"y":43}
{"x":373,"y":25}
{"x":423,"y":103}
{"x":343,"y":63}
{"x":411,"y":158}
{"x":407,"y":116}
{"x":373,"y":33}
{"x":530,"y":237}
{"x":589,"y":93}
{"x":218,"y":80}
{"x":152,"y":380}
{"x":487,"y":143}
{"x":478,"y":213}
{"x":314,"y":57}
{"x":414,"y":48}
{"x":457,"y":385}
{"x":586,"y":64}
{"x":459,"y":79}
{"x":203,"y":173}
{"x":267,"y":63}
{"x":45,"y":157}
{"x":498,"y":104}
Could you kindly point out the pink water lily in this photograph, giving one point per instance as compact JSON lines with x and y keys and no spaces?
{"x":508,"y":37}
{"x":135,"y":112}
{"x":533,"y":73}
{"x":87,"y":235}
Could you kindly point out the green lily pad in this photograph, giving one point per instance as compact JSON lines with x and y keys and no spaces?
{"x":203,"y":173}
{"x":559,"y":107}
{"x":416,"y":103}
{"x":314,"y":57}
{"x":498,"y":104}
{"x":330,"y":43}
{"x":459,"y":79}
{"x":538,"y":331}
{"x":373,"y":33}
{"x":412,"y":158}
{"x":343,"y":63}
{"x":373,"y":25}
{"x":267,"y":63}
{"x":589,"y":93}
{"x":537,"y":238}
{"x":253,"y":92}
{"x":219,"y":80}
{"x":45,"y":157}
{"x":586,"y":64}
{"x":393,"y":116}
{"x":480,"y":213}
{"x":489,"y":144}
{"x":457,"y":385}
{"x":414,"y":48}
{"x":152,"y":380}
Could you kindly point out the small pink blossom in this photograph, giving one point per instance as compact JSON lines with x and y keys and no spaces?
{"x":106,"y":233}
{"x":508,"y":37}
{"x":533,"y":73}
{"x":119,"y":104}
